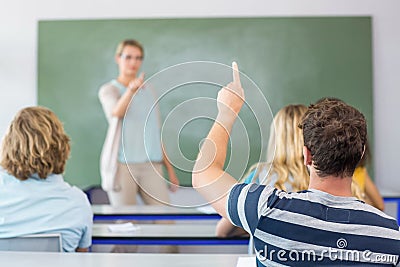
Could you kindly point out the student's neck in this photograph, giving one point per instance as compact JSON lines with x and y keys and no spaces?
{"x":337,"y":186}
{"x":125,"y":80}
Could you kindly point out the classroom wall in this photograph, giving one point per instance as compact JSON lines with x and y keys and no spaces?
{"x":18,"y":47}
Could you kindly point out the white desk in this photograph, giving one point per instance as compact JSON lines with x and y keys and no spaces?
{"x":165,"y":234}
{"x":150,"y":212}
{"x":39,"y":259}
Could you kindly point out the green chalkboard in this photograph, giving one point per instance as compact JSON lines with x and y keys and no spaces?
{"x":292,"y":60}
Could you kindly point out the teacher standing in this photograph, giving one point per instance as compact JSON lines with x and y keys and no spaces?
{"x":140,"y":156}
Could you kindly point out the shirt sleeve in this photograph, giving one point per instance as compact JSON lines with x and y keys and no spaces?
{"x":244,"y":202}
{"x":87,"y":216}
{"x":108,"y":96}
{"x":250,"y":177}
{"x":86,"y":240}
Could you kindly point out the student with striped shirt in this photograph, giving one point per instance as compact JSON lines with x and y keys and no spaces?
{"x":323,"y":225}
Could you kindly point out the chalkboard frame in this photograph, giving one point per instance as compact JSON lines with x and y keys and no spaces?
{"x":292,"y":60}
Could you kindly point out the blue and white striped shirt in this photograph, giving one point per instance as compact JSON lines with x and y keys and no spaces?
{"x":313,"y":228}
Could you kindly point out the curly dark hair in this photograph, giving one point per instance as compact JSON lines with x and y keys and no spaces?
{"x":336,"y":134}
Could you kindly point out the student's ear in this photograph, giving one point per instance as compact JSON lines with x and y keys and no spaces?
{"x":307,"y":156}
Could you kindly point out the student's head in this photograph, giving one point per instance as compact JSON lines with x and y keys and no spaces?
{"x":335,"y":134}
{"x":35,"y":143}
{"x":129,"y":56}
{"x":286,"y":134}
{"x":286,"y":145}
{"x":285,"y":150}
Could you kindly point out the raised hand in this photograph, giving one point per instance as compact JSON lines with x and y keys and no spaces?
{"x":231,"y":97}
{"x":136,"y":83}
{"x":209,"y":176}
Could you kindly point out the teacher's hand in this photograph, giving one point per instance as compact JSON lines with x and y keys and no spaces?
{"x":136,"y":83}
{"x":174,"y":182}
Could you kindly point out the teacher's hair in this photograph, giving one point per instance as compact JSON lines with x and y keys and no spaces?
{"x":128,"y":42}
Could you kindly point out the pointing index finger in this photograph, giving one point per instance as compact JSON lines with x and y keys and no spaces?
{"x":236,"y":77}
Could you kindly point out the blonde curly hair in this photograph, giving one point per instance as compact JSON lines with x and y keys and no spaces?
{"x":35,"y":143}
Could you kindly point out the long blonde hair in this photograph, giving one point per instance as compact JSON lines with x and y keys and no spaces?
{"x":285,"y":151}
{"x":35,"y":143}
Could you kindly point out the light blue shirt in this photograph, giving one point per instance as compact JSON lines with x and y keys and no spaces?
{"x":141,"y":140}
{"x":272,"y":179}
{"x":45,"y":206}
{"x":250,"y":177}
